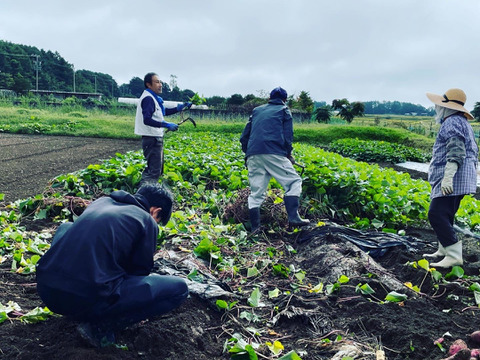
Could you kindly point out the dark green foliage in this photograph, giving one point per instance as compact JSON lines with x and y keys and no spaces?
{"x":397,"y":108}
{"x":19,"y":64}
{"x":346,"y":110}
{"x":377,"y":151}
{"x":324,"y":136}
{"x":476,"y":111}
{"x":323,"y":114}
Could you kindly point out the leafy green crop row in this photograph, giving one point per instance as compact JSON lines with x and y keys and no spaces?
{"x":333,"y":185}
{"x":377,"y":151}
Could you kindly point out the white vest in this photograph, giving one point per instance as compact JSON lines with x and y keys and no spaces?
{"x":140,"y":127}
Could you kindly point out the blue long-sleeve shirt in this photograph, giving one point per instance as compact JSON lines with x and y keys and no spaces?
{"x":148,"y":108}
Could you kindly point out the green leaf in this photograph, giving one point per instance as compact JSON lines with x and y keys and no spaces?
{"x":424,"y":264}
{"x":393,"y":296}
{"x":254,"y":299}
{"x":3,"y":316}
{"x":437,"y":275}
{"x":36,"y":315}
{"x":252,"y":272}
{"x":456,"y":273}
{"x":274,"y":293}
{"x":377,"y":223}
{"x":276,"y":348}
{"x":330,"y":288}
{"x":475,"y":287}
{"x":221,"y":304}
{"x":476,"y":295}
{"x":292,"y":355}
{"x":365,"y":289}
{"x":343,"y":279}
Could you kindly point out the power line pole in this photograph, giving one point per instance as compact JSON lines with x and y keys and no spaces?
{"x":73,"y":68}
{"x":37,"y":65}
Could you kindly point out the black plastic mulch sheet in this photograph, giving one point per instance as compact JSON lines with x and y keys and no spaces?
{"x":373,"y":242}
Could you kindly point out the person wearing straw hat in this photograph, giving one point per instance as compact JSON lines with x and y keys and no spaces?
{"x":452,"y":173}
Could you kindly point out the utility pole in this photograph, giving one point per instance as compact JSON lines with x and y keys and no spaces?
{"x":37,"y":65}
{"x":73,"y":68}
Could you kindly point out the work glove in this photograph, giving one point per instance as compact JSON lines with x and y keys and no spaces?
{"x":184,"y":106}
{"x":171,"y":126}
{"x":447,"y":182}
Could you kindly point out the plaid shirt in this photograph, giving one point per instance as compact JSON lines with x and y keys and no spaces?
{"x":455,"y":142}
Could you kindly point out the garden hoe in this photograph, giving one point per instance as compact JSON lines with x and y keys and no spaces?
{"x":301,"y":167}
{"x":182,"y":120}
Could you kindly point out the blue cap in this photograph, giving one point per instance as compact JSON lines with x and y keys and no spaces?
{"x":278,"y":93}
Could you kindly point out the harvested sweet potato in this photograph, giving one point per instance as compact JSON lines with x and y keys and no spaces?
{"x":475,"y":337}
{"x":463,"y":354}
{"x":457,"y":345}
{"x":475,"y":354}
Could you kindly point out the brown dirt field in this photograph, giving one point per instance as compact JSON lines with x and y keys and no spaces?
{"x":197,"y":330}
{"x":28,"y":162}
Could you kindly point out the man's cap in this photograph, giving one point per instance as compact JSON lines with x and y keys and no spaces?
{"x":278,"y":93}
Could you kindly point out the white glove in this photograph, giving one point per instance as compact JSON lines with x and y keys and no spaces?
{"x":447,"y":182}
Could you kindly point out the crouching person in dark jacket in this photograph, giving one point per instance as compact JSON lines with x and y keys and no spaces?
{"x":97,"y":270}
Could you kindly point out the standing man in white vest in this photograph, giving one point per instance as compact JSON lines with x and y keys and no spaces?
{"x":150,"y":124}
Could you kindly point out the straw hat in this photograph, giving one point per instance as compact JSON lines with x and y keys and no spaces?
{"x":452,"y":99}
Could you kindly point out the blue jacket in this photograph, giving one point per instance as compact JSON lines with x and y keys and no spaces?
{"x":269,"y":130}
{"x":115,"y":236}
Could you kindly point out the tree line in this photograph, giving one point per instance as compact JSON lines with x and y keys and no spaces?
{"x":24,"y":68}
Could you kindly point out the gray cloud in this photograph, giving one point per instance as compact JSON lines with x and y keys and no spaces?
{"x":359,"y":50}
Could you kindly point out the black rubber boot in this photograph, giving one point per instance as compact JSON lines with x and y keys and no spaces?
{"x":254,"y":218}
{"x":291,"y":205}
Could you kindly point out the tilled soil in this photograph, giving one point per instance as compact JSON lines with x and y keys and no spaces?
{"x":197,"y":330}
{"x":28,"y":162}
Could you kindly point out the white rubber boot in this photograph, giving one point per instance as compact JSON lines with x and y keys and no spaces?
{"x":439,"y":252}
{"x":453,"y":256}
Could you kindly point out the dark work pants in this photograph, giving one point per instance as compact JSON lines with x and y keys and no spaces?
{"x":152,"y":151}
{"x":141,"y":297}
{"x":138,"y":298}
{"x":441,"y":215}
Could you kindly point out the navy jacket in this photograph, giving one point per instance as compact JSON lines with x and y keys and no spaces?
{"x":115,"y":236}
{"x":269,"y":130}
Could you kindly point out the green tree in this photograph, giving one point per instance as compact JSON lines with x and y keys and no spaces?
{"x":476,"y":111}
{"x":323,"y":114}
{"x":216,"y":101}
{"x":235,"y":100}
{"x":305,"y":102}
{"x":346,"y":110}
{"x":20,"y":84}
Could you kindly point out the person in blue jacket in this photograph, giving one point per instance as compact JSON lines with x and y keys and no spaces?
{"x":452,"y":173}
{"x":267,"y":143}
{"x":150,"y":124}
{"x":98,"y":268}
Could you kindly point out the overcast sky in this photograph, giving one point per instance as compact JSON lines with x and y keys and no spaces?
{"x":362,"y":50}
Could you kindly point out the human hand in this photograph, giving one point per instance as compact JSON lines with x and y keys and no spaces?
{"x":171,"y":126}
{"x":184,"y":106}
{"x":447,"y":181}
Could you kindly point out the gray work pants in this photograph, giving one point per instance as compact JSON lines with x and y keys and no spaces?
{"x":261,"y":168}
